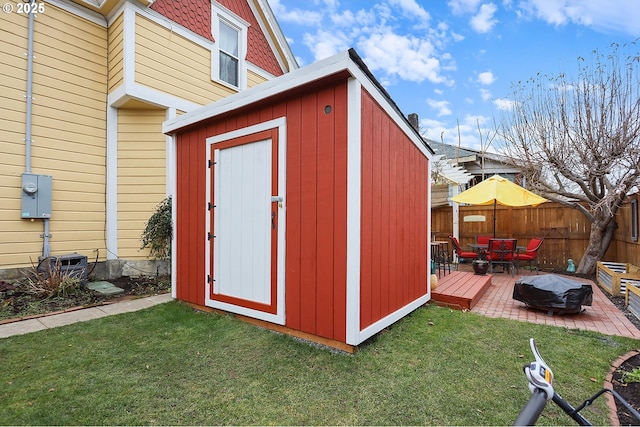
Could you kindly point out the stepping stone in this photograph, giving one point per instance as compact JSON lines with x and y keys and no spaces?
{"x":105,"y":288}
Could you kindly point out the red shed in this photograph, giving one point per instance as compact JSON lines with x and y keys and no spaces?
{"x":304,"y":203}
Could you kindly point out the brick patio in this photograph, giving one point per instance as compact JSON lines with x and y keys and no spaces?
{"x":603,"y":316}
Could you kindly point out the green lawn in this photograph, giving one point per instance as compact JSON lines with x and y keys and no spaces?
{"x":170,"y":365}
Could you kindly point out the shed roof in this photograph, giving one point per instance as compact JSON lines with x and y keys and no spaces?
{"x":348,"y":62}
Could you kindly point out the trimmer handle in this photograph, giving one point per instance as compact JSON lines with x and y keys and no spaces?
{"x":538,"y":373}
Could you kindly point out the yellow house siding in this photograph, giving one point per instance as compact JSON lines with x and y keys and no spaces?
{"x":68,"y":133}
{"x":185,"y":68}
{"x":141,"y":175}
{"x":116,"y":53}
{"x":13,"y":65}
{"x":17,"y":237}
{"x":254,"y":79}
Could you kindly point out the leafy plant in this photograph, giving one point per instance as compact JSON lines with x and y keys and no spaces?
{"x":632,"y":376}
{"x":158,"y":232}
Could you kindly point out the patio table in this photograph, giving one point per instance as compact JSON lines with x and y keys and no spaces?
{"x":478,"y":246}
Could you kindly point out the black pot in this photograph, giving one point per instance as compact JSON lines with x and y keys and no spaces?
{"x":480,"y":267}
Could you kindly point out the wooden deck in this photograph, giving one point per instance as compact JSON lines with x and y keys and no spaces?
{"x":460,"y":290}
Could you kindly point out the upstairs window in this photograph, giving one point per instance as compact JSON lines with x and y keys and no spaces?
{"x":228,"y":54}
{"x":230,"y":47}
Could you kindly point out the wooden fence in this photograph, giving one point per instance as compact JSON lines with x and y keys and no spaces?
{"x":565,"y":230}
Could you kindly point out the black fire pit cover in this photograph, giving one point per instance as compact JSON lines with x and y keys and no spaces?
{"x":553,"y":293}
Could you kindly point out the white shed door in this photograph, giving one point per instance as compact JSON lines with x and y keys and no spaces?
{"x":245,"y":226}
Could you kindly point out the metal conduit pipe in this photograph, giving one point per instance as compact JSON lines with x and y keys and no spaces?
{"x":46,"y":246}
{"x":29,"y":95}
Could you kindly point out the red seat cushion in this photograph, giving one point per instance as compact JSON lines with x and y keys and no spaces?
{"x":467,"y":254}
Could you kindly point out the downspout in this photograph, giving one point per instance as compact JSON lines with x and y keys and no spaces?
{"x":46,"y":247}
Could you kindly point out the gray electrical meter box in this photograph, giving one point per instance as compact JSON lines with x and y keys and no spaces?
{"x":36,"y":196}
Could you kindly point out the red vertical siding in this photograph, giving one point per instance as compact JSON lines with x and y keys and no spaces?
{"x":293,"y":274}
{"x":339,"y":279}
{"x":376,"y":206}
{"x":366,"y":213}
{"x":190,"y":216}
{"x":325,"y":223}
{"x":316,"y":205}
{"x":309,"y":212}
{"x":394,"y":215}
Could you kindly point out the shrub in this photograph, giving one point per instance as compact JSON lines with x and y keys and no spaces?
{"x":158,"y":232}
{"x":51,"y":281}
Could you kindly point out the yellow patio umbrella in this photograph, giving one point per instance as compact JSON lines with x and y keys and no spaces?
{"x":498,"y":190}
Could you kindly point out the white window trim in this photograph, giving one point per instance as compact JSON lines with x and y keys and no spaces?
{"x":219,"y":12}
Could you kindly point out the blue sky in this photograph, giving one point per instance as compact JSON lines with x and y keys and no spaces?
{"x":453,"y":62}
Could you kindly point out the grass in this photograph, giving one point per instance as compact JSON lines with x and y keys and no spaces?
{"x":170,"y":365}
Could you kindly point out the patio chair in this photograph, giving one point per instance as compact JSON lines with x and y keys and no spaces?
{"x":483,"y":240}
{"x":462,"y":255}
{"x":501,"y":251}
{"x":530,"y":254}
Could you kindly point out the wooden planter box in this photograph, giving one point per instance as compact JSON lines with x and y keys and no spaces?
{"x":632,"y":299}
{"x":614,"y":276}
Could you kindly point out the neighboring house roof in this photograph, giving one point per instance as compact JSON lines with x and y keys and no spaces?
{"x":471,"y":160}
{"x":193,"y":14}
{"x":451,"y":152}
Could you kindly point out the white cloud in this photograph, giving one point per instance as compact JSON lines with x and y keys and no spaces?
{"x":619,"y":16}
{"x":504,"y":104}
{"x":407,"y":57}
{"x":411,"y":9}
{"x":345,"y":19}
{"x":303,"y":17}
{"x":485,"y":94}
{"x":465,"y":133}
{"x":457,"y":37}
{"x":486,"y":78}
{"x":332,"y":4}
{"x":474,"y":120}
{"x":381,"y":36}
{"x":442,"y":107}
{"x":326,"y":43}
{"x":460,"y":7}
{"x":484,"y":21}
{"x":354,"y":20}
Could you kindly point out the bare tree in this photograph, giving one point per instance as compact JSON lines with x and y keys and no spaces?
{"x":577,"y":141}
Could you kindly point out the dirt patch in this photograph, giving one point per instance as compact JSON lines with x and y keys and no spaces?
{"x":17,"y":302}
{"x":630,"y":391}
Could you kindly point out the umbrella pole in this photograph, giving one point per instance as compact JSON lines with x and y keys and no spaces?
{"x":494,"y":218}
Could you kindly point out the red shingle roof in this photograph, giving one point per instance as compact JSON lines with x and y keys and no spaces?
{"x":196,"y":16}
{"x":192,"y":14}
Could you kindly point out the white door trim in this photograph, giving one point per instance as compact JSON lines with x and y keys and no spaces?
{"x":279,"y":125}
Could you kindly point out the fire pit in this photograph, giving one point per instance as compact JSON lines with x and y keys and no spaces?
{"x":553,"y":293}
